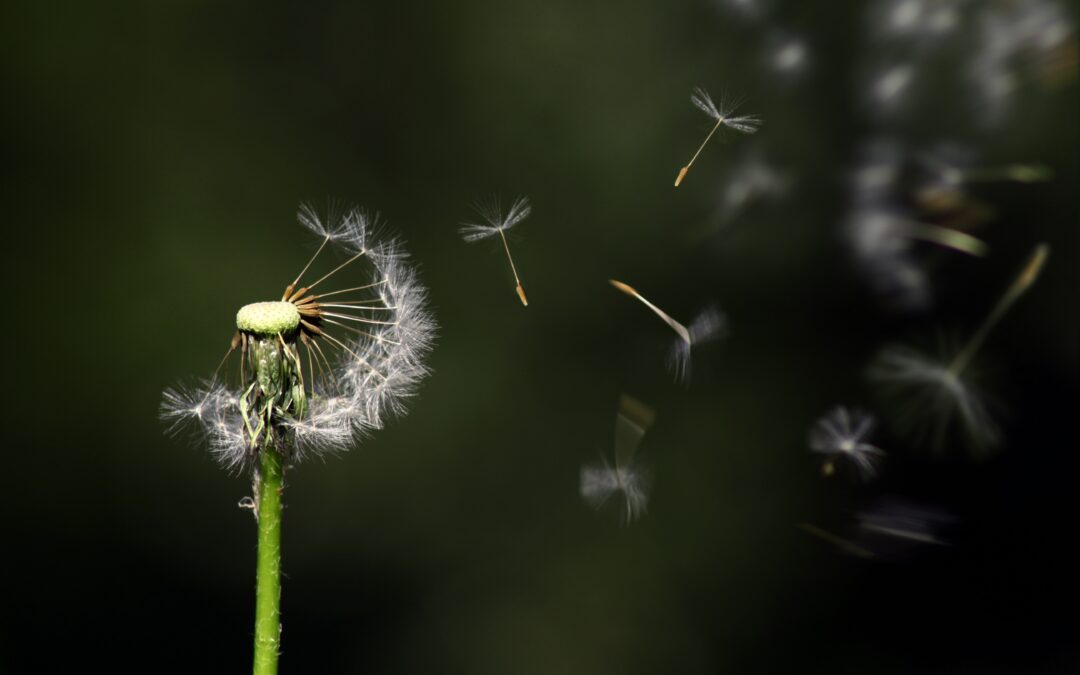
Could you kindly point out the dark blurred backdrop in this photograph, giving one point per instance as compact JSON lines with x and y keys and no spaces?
{"x":157,"y":154}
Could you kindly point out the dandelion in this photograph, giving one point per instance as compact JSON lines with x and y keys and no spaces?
{"x":496,"y":222}
{"x":710,"y":324}
{"x":931,"y":394}
{"x":787,"y":55}
{"x":843,"y":433}
{"x":891,"y":528}
{"x":318,"y":368}
{"x":905,"y":521}
{"x":753,"y":180}
{"x":723,"y":114}
{"x":890,"y":85}
{"x":624,"y":478}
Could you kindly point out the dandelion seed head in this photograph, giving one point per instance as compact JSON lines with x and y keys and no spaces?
{"x":324,"y":365}
{"x":843,"y":433}
{"x":268,"y":318}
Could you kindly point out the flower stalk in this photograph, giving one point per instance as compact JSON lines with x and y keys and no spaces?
{"x":268,"y":583}
{"x":276,"y":390}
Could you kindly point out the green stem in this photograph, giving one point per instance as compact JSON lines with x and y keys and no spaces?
{"x":268,"y":584}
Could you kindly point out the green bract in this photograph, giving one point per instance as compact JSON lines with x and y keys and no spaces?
{"x":268,"y":318}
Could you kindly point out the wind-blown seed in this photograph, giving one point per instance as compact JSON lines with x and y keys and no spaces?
{"x":724,"y":114}
{"x":496,"y":222}
{"x":624,"y":478}
{"x":710,"y":324}
{"x":843,"y":433}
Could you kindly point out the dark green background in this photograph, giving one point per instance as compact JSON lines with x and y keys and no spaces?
{"x":159,"y":153}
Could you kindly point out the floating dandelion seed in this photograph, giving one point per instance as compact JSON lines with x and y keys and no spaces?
{"x":710,"y":324}
{"x":496,"y":222}
{"x":878,"y":232}
{"x":944,"y":175}
{"x":930,"y":394}
{"x":890,"y":529}
{"x":790,"y":56}
{"x":786,"y":55}
{"x":747,"y":124}
{"x":625,"y":478}
{"x":889,"y":86}
{"x":752,"y":180}
{"x":843,"y":433}
{"x":905,"y":521}
{"x":318,"y":368}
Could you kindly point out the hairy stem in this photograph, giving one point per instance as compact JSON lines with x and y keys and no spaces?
{"x":268,"y":584}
